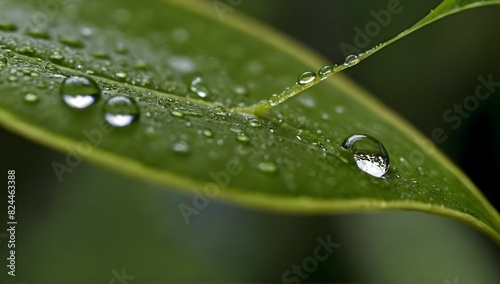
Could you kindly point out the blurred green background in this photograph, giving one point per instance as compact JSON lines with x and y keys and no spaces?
{"x":97,"y":222}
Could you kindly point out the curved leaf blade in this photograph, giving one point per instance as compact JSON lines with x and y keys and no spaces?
{"x":289,"y":159}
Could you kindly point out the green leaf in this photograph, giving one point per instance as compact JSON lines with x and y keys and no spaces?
{"x":195,"y":71}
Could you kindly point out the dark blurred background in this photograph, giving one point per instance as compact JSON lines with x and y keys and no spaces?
{"x":98,"y":222}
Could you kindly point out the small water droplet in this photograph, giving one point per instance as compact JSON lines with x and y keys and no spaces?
{"x":254,"y":122}
{"x":121,"y":75}
{"x":236,"y":130}
{"x":242,"y":137}
{"x":421,"y":171}
{"x":273,"y":100}
{"x":56,"y":57}
{"x":181,"y":147}
{"x":37,"y":33}
{"x":351,"y":60}
{"x":325,"y":71}
{"x":267,"y":167}
{"x":121,"y":48}
{"x":182,"y":64}
{"x":79,"y":92}
{"x":50,"y":66}
{"x":100,"y":55}
{"x":8,"y":27}
{"x":306,"y":78}
{"x":41,"y":85}
{"x":339,"y":109}
{"x":194,"y":112}
{"x":307,"y":101}
{"x":86,"y":31}
{"x":240,"y":90}
{"x":176,"y":113}
{"x":26,"y":50}
{"x":199,"y":87}
{"x":121,"y":111}
{"x":3,"y":61}
{"x":219,"y":110}
{"x":150,"y":131}
{"x":31,"y":98}
{"x":71,"y":42}
{"x":207,"y":133}
{"x":141,"y":65}
{"x":369,"y":154}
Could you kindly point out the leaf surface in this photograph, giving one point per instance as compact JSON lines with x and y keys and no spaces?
{"x":193,"y":76}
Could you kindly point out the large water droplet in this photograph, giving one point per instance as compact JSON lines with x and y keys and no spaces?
{"x":79,"y":92}
{"x":351,"y":60}
{"x":121,"y":111}
{"x":199,"y":87}
{"x":306,"y":78}
{"x":369,"y":154}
